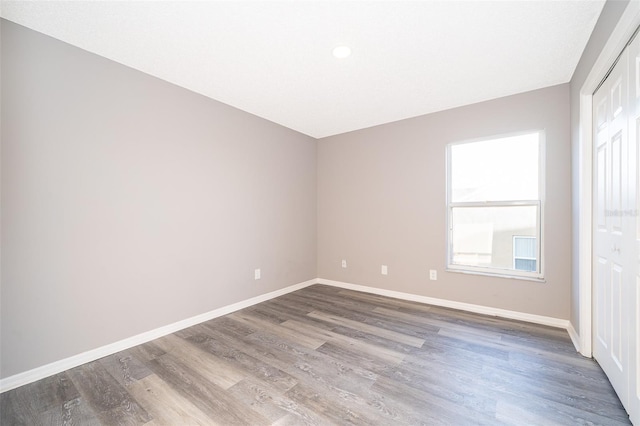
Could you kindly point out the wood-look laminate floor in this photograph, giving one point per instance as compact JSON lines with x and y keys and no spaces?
{"x":323,"y":355}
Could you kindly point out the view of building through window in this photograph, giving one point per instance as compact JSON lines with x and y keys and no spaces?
{"x":494,"y":206}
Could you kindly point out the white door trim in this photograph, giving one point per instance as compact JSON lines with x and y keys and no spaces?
{"x":619,"y":37}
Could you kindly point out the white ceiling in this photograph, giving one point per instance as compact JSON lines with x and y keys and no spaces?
{"x":273,"y":58}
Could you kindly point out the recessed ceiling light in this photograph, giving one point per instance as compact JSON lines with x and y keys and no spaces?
{"x":341,"y":52}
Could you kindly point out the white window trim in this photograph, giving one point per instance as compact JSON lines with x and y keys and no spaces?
{"x":538,"y":275}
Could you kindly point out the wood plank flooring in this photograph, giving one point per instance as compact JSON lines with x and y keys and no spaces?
{"x":323,"y":355}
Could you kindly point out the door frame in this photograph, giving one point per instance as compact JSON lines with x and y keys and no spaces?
{"x":618,"y":39}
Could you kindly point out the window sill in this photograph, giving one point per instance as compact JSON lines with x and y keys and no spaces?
{"x":496,"y":275}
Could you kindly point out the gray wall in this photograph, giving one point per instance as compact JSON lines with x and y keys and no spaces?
{"x":129,"y":203}
{"x":381,"y":200}
{"x":607,"y":21}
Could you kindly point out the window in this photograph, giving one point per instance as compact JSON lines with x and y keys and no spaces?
{"x":524,"y":253}
{"x":495,"y":196}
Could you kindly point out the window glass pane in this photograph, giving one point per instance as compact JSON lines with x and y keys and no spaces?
{"x":525,"y":247}
{"x":483,"y":236}
{"x":496,"y":170}
{"x":525,"y":265}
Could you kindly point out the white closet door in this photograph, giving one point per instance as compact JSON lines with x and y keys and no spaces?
{"x":611,"y":199}
{"x":616,"y":233}
{"x":632,"y":298}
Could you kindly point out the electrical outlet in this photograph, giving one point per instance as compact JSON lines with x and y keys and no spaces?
{"x":256,"y":274}
{"x":344,"y":263}
{"x":384,"y":270}
{"x":433,"y":274}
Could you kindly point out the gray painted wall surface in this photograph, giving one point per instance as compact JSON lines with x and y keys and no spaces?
{"x":381,"y":200}
{"x":607,"y":21}
{"x":129,"y":203}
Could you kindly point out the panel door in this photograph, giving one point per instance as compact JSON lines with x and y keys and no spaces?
{"x":612,"y":202}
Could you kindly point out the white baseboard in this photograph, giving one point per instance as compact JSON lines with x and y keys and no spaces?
{"x":479,"y":309}
{"x":575,"y":337}
{"x":56,"y":367}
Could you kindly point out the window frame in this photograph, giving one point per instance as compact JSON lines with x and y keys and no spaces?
{"x":537,"y":275}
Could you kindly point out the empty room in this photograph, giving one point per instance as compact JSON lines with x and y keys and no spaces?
{"x":320,"y":212}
